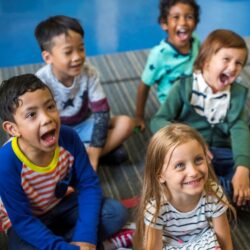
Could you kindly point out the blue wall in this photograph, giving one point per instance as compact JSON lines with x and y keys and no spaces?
{"x":110,"y":25}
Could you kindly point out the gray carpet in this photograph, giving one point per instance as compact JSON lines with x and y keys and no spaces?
{"x":120,"y":74}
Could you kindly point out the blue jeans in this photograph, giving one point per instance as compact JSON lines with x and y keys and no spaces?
{"x":62,"y":218}
{"x":223,"y":164}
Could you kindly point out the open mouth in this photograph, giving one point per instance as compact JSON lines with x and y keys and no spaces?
{"x":49,"y":137}
{"x":183,"y":34}
{"x":77,"y":66}
{"x":224,"y":78}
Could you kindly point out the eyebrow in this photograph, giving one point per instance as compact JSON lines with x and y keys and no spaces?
{"x":45,"y":103}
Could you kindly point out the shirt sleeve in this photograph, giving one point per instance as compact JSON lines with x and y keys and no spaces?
{"x":100,"y":130}
{"x":217,"y":201}
{"x":89,"y":191}
{"x":239,"y":129}
{"x":169,"y":110}
{"x":150,"y":219}
{"x":97,"y":98}
{"x":150,"y":72}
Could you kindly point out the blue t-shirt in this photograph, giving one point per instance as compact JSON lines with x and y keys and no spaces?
{"x":23,"y":196}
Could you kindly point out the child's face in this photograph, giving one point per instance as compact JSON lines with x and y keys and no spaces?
{"x":37,"y":123}
{"x":67,"y":56}
{"x":222,"y":69}
{"x":180,"y":24}
{"x":185,"y":171}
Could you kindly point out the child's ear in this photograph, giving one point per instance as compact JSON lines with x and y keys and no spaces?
{"x":161,"y":179}
{"x":164,"y":25}
{"x":11,"y":128}
{"x":46,"y":57}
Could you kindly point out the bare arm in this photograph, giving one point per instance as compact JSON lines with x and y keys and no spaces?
{"x":94,"y":154}
{"x":153,"y":239}
{"x":141,"y":98}
{"x":222,"y":230}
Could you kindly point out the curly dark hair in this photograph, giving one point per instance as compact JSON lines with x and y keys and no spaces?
{"x":12,"y":89}
{"x":165,"y":6}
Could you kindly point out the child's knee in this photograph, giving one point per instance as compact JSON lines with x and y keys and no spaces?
{"x":114,"y":216}
{"x":124,"y":123}
{"x":128,"y":124}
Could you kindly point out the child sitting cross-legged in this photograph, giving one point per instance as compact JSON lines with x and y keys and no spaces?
{"x":38,"y":165}
{"x":79,"y":95}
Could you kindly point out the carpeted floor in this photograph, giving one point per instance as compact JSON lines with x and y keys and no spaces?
{"x":120,"y":75}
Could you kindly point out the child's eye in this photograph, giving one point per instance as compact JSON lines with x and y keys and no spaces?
{"x":239,"y":63}
{"x":190,"y":17}
{"x":52,"y":106}
{"x":81,"y":49}
{"x":199,"y":160}
{"x":175,"y":17}
{"x":30,"y":115}
{"x":179,"y":166}
{"x":67,"y":53}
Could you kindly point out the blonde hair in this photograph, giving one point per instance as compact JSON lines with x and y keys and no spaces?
{"x":215,"y":41}
{"x":160,"y":144}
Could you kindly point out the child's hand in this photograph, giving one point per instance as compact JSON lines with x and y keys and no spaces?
{"x":139,"y":124}
{"x":241,"y":186}
{"x":84,"y":245}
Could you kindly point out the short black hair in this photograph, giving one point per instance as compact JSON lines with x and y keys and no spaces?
{"x":12,"y":89}
{"x":166,"y":5}
{"x":53,"y":26}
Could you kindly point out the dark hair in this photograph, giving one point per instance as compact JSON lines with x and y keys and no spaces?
{"x":54,"y":26}
{"x":166,"y":5}
{"x":217,"y":40}
{"x":12,"y":89}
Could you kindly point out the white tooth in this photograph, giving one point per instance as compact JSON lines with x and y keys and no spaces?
{"x":182,"y":30}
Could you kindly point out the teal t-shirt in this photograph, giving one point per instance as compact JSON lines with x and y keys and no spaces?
{"x":166,"y":64}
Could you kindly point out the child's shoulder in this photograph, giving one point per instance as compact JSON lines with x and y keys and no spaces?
{"x":239,"y":92}
{"x":89,"y":70}
{"x":162,"y":48}
{"x":215,"y":192}
{"x":195,"y":40}
{"x":44,"y":70}
{"x":239,"y":86}
{"x":69,"y":139}
{"x":8,"y":159}
{"x":67,"y":134}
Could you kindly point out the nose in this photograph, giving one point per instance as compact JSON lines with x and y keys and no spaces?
{"x":232,"y":67}
{"x":192,"y":170}
{"x":182,"y":20}
{"x":77,"y":56}
{"x":46,"y":118}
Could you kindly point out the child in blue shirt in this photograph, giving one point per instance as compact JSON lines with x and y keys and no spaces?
{"x":173,"y":57}
{"x":40,"y":163}
{"x":75,"y":84}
